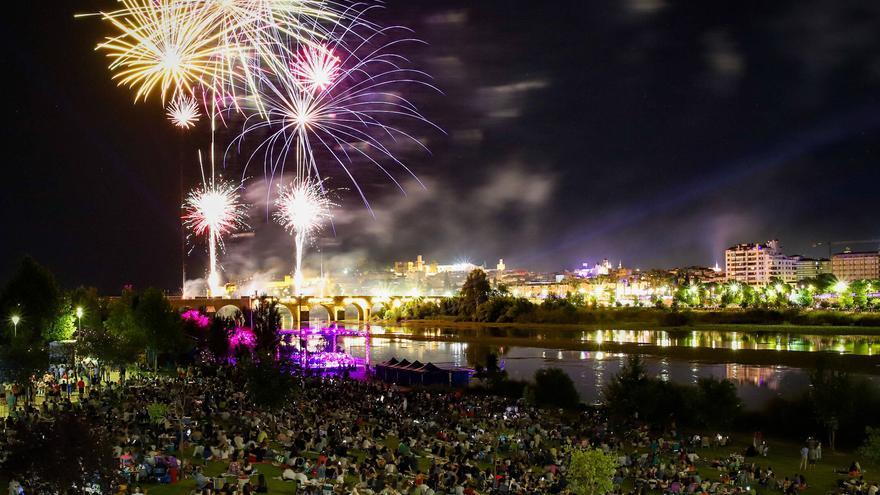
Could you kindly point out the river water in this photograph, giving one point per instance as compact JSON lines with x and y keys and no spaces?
{"x":763,"y":365}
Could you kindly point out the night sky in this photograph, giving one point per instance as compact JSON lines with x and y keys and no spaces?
{"x":652,"y":132}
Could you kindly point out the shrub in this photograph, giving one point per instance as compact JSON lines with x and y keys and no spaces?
{"x":553,"y":387}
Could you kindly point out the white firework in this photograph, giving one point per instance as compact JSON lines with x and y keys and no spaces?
{"x":184,"y":112}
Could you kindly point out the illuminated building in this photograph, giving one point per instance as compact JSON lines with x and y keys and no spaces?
{"x":852,"y":265}
{"x":417,"y":266}
{"x":757,"y":264}
{"x":811,"y":268}
{"x":599,"y":269}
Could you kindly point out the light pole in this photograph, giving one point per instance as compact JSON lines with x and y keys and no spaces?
{"x":79,"y":315}
{"x":15,"y":319}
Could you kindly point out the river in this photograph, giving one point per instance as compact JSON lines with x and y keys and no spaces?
{"x":763,"y":365}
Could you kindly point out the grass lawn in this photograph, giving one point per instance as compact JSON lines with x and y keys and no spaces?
{"x":784,"y":458}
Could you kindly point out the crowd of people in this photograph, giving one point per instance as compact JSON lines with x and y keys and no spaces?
{"x":345,"y":436}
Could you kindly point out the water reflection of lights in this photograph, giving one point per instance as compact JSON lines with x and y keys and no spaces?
{"x":664,"y":369}
{"x":759,"y":376}
{"x":664,"y":340}
{"x":735,"y":342}
{"x":599,"y":371}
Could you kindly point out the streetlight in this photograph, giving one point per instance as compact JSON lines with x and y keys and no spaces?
{"x":15,"y":319}
{"x":79,"y":315}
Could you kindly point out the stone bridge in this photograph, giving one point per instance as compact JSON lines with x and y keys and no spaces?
{"x":296,"y":310}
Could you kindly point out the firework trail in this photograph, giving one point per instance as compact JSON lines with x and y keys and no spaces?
{"x":303,"y":208}
{"x":214,"y":209}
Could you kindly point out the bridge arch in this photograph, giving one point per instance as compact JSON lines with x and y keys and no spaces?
{"x":229,"y":311}
{"x":322,"y":311}
{"x":359,"y":307}
{"x":288,"y":320}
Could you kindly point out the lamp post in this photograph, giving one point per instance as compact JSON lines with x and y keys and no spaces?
{"x":79,"y":315}
{"x":15,"y":319}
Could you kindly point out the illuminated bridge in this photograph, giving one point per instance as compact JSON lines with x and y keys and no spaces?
{"x":297,"y":310}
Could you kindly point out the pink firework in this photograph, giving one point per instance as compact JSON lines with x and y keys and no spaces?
{"x":315,"y":67}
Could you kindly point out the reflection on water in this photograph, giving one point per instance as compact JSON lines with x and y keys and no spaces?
{"x":864,"y":345}
{"x":678,"y":357}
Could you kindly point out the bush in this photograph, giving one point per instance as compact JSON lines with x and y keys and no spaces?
{"x":553,"y":388}
{"x":716,"y":402}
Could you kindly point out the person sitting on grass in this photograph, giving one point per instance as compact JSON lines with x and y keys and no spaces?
{"x":200,"y":479}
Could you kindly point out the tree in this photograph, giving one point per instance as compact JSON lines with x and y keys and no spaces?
{"x":553,"y":387}
{"x":218,"y":337}
{"x":158,"y":323}
{"x":269,"y":383}
{"x":860,"y":294}
{"x":65,"y":323}
{"x":33,"y":295}
{"x":474,"y":291}
{"x":266,"y":324}
{"x":62,"y":456}
{"x":591,"y":471}
{"x":125,"y":338}
{"x":832,"y":397}
{"x":871,"y":448}
{"x":94,"y":309}
{"x":717,"y":402}
{"x":622,"y":392}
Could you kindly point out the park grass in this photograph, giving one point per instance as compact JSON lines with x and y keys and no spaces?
{"x":784,"y":458}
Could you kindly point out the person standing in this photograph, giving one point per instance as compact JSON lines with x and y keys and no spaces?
{"x":15,"y":487}
{"x":804,"y":457}
{"x":813,"y":454}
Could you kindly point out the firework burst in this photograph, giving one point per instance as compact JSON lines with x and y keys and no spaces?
{"x":303,"y":209}
{"x":316,"y":67}
{"x":184,"y":112}
{"x":346,"y":108}
{"x":216,"y":210}
{"x":169,"y":45}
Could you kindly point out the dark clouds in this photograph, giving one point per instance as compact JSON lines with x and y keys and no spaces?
{"x":656,"y":132}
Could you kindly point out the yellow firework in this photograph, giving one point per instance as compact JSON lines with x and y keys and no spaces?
{"x":163,"y":45}
{"x":257,"y":36}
